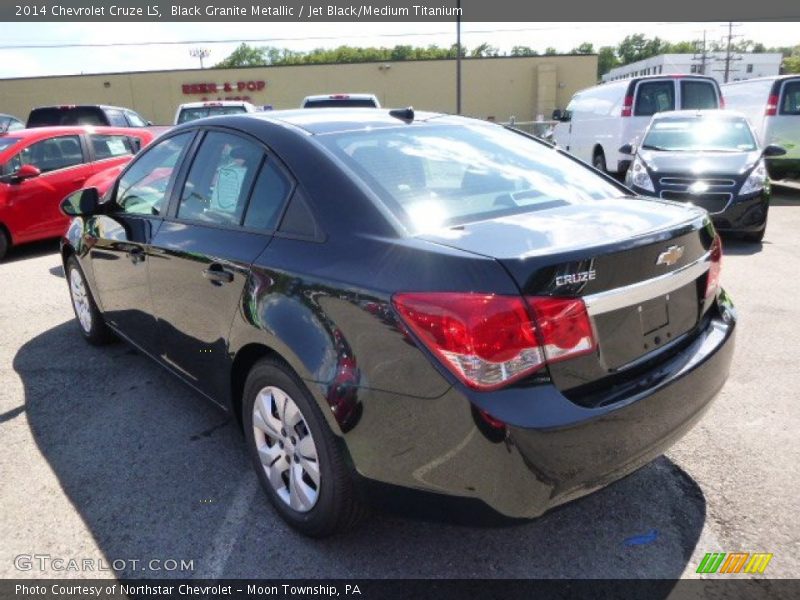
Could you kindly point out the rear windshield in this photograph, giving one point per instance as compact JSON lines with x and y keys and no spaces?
{"x":201,"y":112}
{"x":344,"y":103}
{"x":79,"y":115}
{"x":698,"y":95}
{"x":437,"y":176}
{"x":726,"y":135}
{"x":653,"y":97}
{"x":790,"y":105}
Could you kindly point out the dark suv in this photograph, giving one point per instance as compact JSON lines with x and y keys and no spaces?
{"x":85,"y":114}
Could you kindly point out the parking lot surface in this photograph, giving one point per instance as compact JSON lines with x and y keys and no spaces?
{"x":106,"y":457}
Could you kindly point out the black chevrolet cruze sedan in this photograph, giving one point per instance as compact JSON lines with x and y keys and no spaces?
{"x":420,"y":300}
{"x":709,"y":158}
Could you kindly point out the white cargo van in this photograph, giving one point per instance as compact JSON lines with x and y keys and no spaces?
{"x":600,"y":119}
{"x":772,"y":104}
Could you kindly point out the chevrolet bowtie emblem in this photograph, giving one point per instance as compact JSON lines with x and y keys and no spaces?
{"x":670,"y":256}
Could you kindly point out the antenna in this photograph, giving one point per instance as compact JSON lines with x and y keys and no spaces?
{"x":200,"y":53}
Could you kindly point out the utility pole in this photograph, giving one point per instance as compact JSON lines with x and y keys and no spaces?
{"x":200,"y":53}
{"x":703,"y":58}
{"x":729,"y":58}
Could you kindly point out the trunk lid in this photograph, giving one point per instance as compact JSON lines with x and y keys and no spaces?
{"x":640,"y":266}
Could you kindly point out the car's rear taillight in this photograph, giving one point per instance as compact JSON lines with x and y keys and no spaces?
{"x":489,"y":341}
{"x":627,"y":107}
{"x":714,"y":271}
{"x":772,"y":106}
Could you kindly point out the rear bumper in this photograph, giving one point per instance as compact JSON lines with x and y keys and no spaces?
{"x":553,"y":449}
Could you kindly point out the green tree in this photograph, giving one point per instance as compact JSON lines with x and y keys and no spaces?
{"x":606,"y":60}
{"x":523,"y":51}
{"x":550,"y":51}
{"x":244,"y":56}
{"x":791,"y":64}
{"x":584,"y":48}
{"x":483,"y":50}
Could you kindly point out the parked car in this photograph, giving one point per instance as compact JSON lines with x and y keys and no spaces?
{"x":85,"y":114}
{"x":600,"y":119}
{"x":341,"y":101}
{"x":411,"y":298}
{"x":38,"y":167}
{"x":10,"y":123}
{"x":199,"y":110}
{"x":710,"y":159}
{"x":773,"y":106}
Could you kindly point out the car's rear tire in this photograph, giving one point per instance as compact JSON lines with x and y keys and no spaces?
{"x":599,"y":160}
{"x":298,"y":459}
{"x":5,"y":243}
{"x":90,"y":319}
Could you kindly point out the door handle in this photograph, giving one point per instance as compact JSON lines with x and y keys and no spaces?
{"x":217,"y":275}
{"x":136,"y":255}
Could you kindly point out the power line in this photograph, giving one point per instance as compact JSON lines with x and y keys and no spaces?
{"x":45,"y":46}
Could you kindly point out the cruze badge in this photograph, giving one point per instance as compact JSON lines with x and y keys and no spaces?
{"x":670,"y":256}
{"x":579,"y":277}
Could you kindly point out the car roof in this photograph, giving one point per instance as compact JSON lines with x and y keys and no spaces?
{"x":71,"y":106}
{"x":767,"y":78}
{"x":203,"y":103}
{"x":322,"y":121}
{"x":711,"y":113}
{"x":35,"y":133}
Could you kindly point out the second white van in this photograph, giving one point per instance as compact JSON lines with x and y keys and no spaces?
{"x":772,"y":105}
{"x":600,"y":119}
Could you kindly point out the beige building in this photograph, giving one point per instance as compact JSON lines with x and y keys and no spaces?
{"x":499,"y":87}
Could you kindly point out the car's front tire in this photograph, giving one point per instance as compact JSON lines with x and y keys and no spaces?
{"x":90,"y":319}
{"x":297,"y":457}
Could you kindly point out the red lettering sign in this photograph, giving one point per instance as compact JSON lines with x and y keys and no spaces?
{"x":226,"y":87}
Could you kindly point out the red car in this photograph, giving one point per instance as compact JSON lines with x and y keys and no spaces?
{"x":39,"y":167}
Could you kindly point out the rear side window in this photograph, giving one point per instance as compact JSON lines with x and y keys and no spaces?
{"x":143,"y":188}
{"x":790,"y":104}
{"x":220,"y":179}
{"x":698,"y":95}
{"x":267,"y":198}
{"x":109,"y":146}
{"x":653,"y":97}
{"x":50,"y":155}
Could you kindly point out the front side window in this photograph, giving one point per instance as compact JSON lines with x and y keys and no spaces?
{"x":219,"y":182}
{"x":444,"y":175}
{"x":50,"y":155}
{"x":791,"y":98}
{"x":653,"y":97}
{"x":143,"y":188}
{"x":109,"y":146}
{"x":134,"y":119}
{"x":724,"y":135}
{"x":698,"y":95}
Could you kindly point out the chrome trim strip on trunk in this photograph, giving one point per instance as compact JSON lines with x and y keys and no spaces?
{"x":636,"y":293}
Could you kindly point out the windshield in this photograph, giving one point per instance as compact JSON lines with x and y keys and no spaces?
{"x":192,"y":114}
{"x":7,"y":142}
{"x":699,"y":134}
{"x":435,"y":176}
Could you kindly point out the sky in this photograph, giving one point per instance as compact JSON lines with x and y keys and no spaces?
{"x":27,"y":62}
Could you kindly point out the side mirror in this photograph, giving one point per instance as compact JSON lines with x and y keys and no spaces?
{"x":774,"y":150}
{"x":627,"y":149}
{"x":149,"y":123}
{"x":26,"y":172}
{"x":557,"y":114}
{"x":81,"y":203}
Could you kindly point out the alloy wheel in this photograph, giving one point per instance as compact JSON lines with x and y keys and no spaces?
{"x":286,"y":449}
{"x":80,"y":300}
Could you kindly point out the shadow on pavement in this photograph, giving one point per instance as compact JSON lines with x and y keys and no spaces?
{"x":155,"y":471}
{"x":32,"y":250}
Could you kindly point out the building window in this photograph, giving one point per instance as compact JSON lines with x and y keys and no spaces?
{"x":693,"y":69}
{"x":750,"y":68}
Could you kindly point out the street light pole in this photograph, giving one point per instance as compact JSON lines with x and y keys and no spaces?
{"x":200,"y":53}
{"x":458,"y":58}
